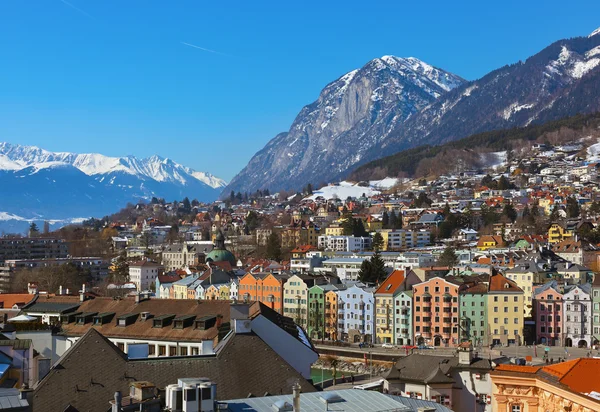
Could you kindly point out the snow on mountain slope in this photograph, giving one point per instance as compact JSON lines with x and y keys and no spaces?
{"x":15,"y":157}
{"x":351,"y":115}
{"x":40,"y":185}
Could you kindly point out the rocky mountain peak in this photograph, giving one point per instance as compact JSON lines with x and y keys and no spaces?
{"x":351,"y":115}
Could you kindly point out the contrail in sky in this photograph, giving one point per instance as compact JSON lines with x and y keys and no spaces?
{"x":205,"y":49}
{"x":76,"y":8}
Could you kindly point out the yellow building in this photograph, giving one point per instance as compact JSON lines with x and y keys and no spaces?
{"x":335,"y":229}
{"x":561,"y":231}
{"x":224,"y":292}
{"x":490,"y":242}
{"x":505,"y":311}
{"x":372,"y":225}
{"x":384,"y":306}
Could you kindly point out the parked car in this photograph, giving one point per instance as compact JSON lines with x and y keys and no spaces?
{"x":409,"y":347}
{"x":387,"y":346}
{"x":426,"y":347}
{"x":365,"y":345}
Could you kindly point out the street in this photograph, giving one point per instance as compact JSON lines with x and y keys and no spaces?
{"x":537,"y":353}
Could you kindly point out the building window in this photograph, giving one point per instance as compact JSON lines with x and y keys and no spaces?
{"x":515,"y":408}
{"x":162,"y":350}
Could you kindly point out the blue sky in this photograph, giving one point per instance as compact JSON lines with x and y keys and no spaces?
{"x":115,"y":77}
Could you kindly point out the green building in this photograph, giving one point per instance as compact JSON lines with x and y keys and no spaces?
{"x":473,"y":313}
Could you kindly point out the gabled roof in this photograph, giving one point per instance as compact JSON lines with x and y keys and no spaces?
{"x":8,"y":300}
{"x":87,"y":376}
{"x":577,"y":375}
{"x":391,"y":284}
{"x":499,"y":284}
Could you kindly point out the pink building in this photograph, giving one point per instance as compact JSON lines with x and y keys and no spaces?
{"x":547,"y":310}
{"x":435,"y":317}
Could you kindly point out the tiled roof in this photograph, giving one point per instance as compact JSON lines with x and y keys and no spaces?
{"x":143,"y":329}
{"x":391,"y":283}
{"x":8,"y":300}
{"x":578,"y":375}
{"x":500,"y":283}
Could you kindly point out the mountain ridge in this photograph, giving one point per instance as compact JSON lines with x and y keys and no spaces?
{"x":40,"y":185}
{"x":562,"y":79}
{"x":357,"y":109}
{"x":21,"y":156}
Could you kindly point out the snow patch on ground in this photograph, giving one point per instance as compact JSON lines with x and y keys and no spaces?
{"x":494,"y":159}
{"x":342,"y":190}
{"x":469,"y":90}
{"x":593,"y":152}
{"x":597,"y":31}
{"x":384,"y":184}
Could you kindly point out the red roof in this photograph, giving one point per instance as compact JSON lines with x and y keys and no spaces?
{"x":391,"y":283}
{"x":500,"y":283}
{"x":8,"y":300}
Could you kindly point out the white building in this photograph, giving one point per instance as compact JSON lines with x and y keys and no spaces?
{"x":577,"y":316}
{"x":346,"y":269}
{"x":356,"y":313}
{"x":344,"y":243}
{"x":144,"y":273}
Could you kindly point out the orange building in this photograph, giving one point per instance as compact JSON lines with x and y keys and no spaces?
{"x":568,"y":386}
{"x":331,"y":315}
{"x":212,"y":293}
{"x":263,"y":287}
{"x":435,"y":317}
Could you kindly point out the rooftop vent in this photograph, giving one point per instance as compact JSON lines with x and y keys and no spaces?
{"x":282,"y":406}
{"x":331,"y":397}
{"x":145,"y":315}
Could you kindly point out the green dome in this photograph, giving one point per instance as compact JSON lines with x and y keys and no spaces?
{"x":221,"y":255}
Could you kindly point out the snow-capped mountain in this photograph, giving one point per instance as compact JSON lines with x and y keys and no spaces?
{"x":351,"y":115}
{"x":561,"y":80}
{"x":15,"y":157}
{"x":392,"y":104}
{"x":39,"y":184}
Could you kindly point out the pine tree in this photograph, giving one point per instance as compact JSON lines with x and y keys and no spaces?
{"x":372,"y":270}
{"x":393,"y":220}
{"x":33,"y":229}
{"x":448,"y":257}
{"x":573,"y":209}
{"x":510,"y":212}
{"x":385,"y":220}
{"x":377,"y":241}
{"x":274,"y":247}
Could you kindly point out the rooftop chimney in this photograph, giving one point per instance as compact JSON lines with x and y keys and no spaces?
{"x":296,"y":391}
{"x":116,"y":405}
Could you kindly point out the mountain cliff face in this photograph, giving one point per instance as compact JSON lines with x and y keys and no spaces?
{"x":42,"y":185}
{"x":392,"y":104}
{"x":562,"y":80}
{"x":351,"y":116}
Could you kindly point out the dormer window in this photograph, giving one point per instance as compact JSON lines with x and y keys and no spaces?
{"x":127,"y":319}
{"x":85,"y":318}
{"x":162,"y":321}
{"x":103,"y":318}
